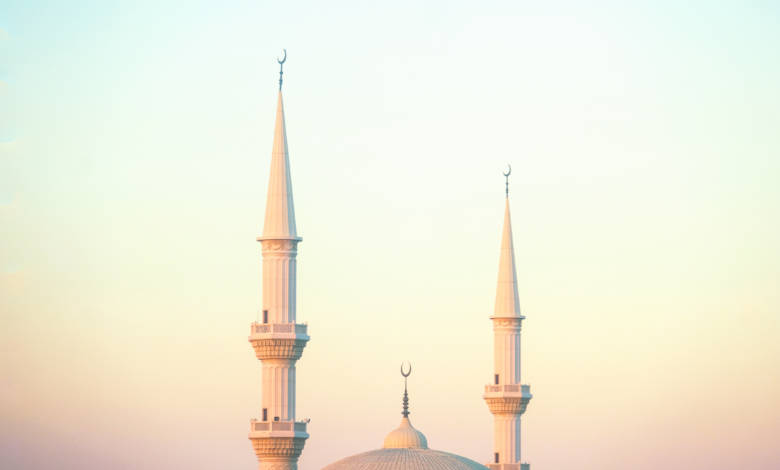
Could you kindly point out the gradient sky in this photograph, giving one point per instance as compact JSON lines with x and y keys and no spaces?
{"x":135,"y":144}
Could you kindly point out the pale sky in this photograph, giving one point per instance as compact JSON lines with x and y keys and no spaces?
{"x":135,"y":143}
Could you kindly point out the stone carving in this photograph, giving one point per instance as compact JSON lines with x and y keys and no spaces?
{"x":273,"y":448}
{"x":507,"y":405}
{"x":279,"y":245}
{"x":507,"y":323}
{"x":275,"y":348}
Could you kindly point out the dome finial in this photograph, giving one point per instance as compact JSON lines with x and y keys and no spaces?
{"x":405,"y":412}
{"x":405,"y":436}
{"x":281,"y":67}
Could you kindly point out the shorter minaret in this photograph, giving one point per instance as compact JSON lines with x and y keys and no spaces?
{"x":507,"y":398}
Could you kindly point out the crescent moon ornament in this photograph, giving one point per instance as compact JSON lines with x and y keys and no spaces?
{"x":406,"y":374}
{"x":281,"y":67}
{"x":506,"y":175}
{"x":405,"y":412}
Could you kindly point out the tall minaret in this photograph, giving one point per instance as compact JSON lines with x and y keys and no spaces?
{"x":507,"y":398}
{"x":278,"y":341}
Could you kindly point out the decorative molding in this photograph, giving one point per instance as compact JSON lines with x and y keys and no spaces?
{"x":279,"y":246}
{"x":275,"y":348}
{"x":279,"y":450}
{"x":507,"y":323}
{"x":507,"y":405}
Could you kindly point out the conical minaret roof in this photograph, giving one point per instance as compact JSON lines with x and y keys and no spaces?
{"x":279,"y":210}
{"x":507,"y":301}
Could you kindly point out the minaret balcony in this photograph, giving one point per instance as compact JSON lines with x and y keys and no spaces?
{"x":278,"y":330}
{"x":508,"y":399}
{"x":259,"y":429}
{"x":508,"y":466}
{"x":508,"y":390}
{"x":278,"y":440}
{"x":278,"y":340}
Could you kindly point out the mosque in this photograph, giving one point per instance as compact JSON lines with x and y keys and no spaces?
{"x":278,"y":438}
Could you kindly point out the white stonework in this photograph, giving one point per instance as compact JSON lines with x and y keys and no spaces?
{"x":506,"y":398}
{"x":278,"y":341}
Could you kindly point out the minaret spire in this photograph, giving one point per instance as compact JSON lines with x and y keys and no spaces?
{"x":279,"y":209}
{"x":507,"y":398}
{"x":507,"y":301}
{"x":278,"y":340}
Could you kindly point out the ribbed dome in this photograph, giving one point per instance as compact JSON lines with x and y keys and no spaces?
{"x":405,"y":448}
{"x":405,"y":437}
{"x":405,"y":459}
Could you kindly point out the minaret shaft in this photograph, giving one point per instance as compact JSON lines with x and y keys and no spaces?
{"x":283,"y":463}
{"x":277,"y":340}
{"x":506,"y":355}
{"x":506,"y":437}
{"x":279,"y":389}
{"x":279,"y":281}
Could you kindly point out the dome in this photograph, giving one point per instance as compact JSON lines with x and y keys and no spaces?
{"x":405,"y":459}
{"x":405,"y":448}
{"x":405,"y":437}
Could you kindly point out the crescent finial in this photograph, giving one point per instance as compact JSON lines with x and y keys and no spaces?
{"x":406,"y":374}
{"x":506,"y":175}
{"x":405,"y":412}
{"x":281,"y":67}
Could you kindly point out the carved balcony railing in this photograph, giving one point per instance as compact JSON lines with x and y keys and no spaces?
{"x":273,"y":426}
{"x":264,"y":328}
{"x":524,"y":390}
{"x":508,"y":466}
